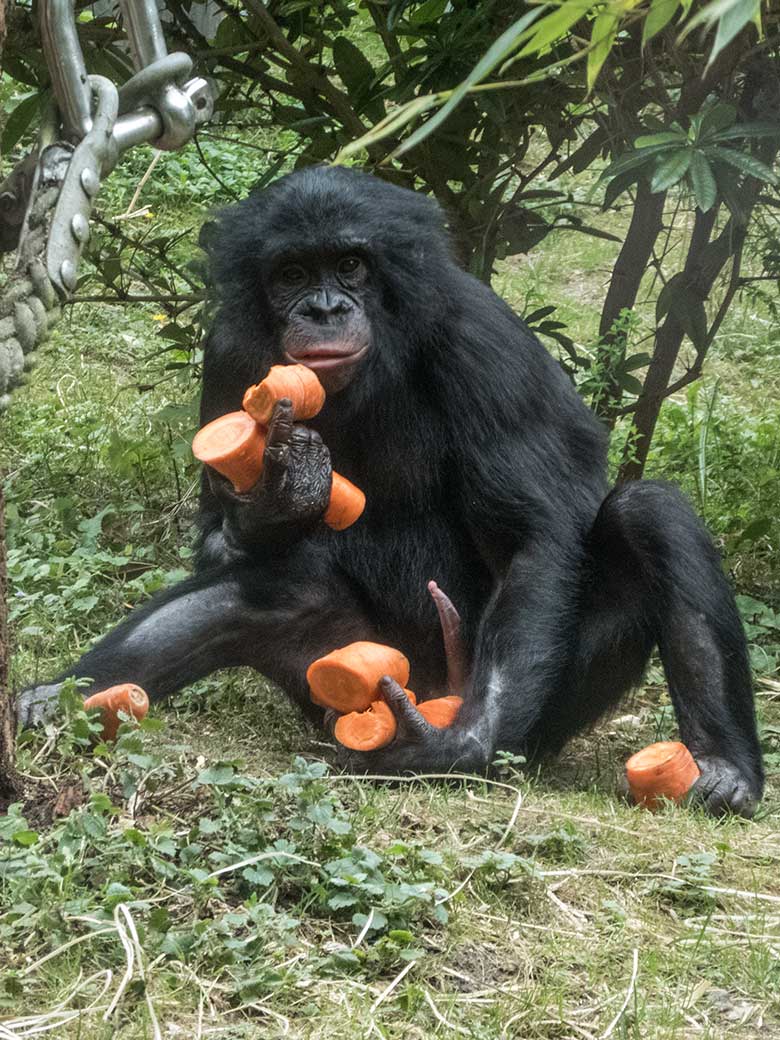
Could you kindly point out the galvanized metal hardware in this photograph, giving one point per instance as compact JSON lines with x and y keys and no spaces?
{"x":94,"y":124}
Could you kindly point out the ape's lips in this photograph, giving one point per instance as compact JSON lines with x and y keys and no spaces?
{"x":325,"y":357}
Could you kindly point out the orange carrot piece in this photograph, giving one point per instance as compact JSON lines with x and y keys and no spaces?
{"x":347,"y":502}
{"x":663,"y":770}
{"x":126,"y":697}
{"x":233,"y":445}
{"x":441,"y":711}
{"x":368,"y":730}
{"x":297,"y":382}
{"x":347,"y":679}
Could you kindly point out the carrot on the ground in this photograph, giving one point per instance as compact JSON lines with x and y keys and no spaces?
{"x":347,"y":679}
{"x":233,"y":445}
{"x":126,"y":697}
{"x":296,"y":382}
{"x":441,"y":712}
{"x":663,"y":770}
{"x":368,"y":730}
{"x":347,"y":503}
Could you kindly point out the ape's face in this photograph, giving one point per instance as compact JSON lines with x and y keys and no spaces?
{"x":320,"y":305}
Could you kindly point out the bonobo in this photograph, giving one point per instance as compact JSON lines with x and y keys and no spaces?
{"x":483,"y":472}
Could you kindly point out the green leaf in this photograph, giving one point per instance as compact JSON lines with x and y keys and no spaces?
{"x":504,"y":45}
{"x":756,"y":530}
{"x":357,"y":74}
{"x":660,"y":14}
{"x":25,"y":838}
{"x":671,"y":169}
{"x":730,"y":16}
{"x":430,"y":11}
{"x":555,"y":25}
{"x":667,"y":137}
{"x":19,"y":120}
{"x":745,"y":130}
{"x":618,"y":185}
{"x":601,"y":39}
{"x":705,"y":189}
{"x":631,"y":160}
{"x":745,"y":163}
{"x":717,"y":117}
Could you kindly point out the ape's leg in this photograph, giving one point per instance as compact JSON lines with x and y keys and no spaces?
{"x":654,"y":576}
{"x":275,"y":617}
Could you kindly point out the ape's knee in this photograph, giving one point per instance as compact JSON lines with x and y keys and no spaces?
{"x":654,"y":520}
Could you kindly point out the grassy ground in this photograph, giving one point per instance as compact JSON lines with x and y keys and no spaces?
{"x":538,"y":907}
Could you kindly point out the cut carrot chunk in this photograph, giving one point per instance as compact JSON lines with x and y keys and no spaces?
{"x":441,"y":711}
{"x":348,"y":679}
{"x":347,"y":503}
{"x":233,"y":445}
{"x":126,"y":697}
{"x":296,"y":382}
{"x":663,"y":770}
{"x":370,"y":729}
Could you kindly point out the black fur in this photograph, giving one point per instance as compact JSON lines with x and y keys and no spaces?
{"x":484,"y":471}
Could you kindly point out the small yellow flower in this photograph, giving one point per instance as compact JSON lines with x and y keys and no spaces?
{"x":149,"y":214}
{"x":159,"y":317}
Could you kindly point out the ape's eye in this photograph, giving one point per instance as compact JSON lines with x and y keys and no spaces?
{"x":349,"y":266}
{"x":293,"y":274}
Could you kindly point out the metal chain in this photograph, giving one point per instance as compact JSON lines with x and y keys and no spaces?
{"x":29,"y":304}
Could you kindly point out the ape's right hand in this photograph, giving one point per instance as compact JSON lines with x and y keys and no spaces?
{"x":293,"y":491}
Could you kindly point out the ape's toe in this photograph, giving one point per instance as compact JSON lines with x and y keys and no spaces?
{"x":724,"y":788}
{"x":37,"y":704}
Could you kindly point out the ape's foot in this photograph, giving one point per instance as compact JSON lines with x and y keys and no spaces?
{"x":38,"y":704}
{"x":724,"y":788}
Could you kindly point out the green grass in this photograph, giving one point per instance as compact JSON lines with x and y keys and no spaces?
{"x":512,"y":911}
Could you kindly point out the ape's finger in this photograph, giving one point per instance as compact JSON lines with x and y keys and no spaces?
{"x":411,"y":724}
{"x":281,"y":426}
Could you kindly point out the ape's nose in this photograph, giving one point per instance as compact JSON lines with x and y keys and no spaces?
{"x":324,"y":305}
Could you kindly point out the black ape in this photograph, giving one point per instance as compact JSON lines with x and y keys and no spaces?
{"x":483,"y":470}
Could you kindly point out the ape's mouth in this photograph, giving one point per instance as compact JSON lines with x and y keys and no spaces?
{"x":325,"y":357}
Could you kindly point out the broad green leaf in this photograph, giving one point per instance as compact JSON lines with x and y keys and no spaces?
{"x":631,"y":160}
{"x":19,"y":120}
{"x":733,"y":22}
{"x":428,"y":12}
{"x":503,"y":46}
{"x":660,"y":14}
{"x":745,"y":163}
{"x":756,"y":530}
{"x":702,"y":178}
{"x":618,"y":185}
{"x":717,"y":117}
{"x":555,"y":25}
{"x":667,"y":137}
{"x":671,"y":169}
{"x":601,"y":39}
{"x":678,"y":299}
{"x":730,"y":16}
{"x":357,"y":74}
{"x":744,"y":130}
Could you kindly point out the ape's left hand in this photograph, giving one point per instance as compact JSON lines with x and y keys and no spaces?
{"x":418,"y":747}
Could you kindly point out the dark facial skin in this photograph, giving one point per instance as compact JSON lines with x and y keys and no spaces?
{"x":320,"y":305}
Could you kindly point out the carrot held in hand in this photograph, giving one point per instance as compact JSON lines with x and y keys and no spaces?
{"x":347,"y":503}
{"x":296,"y":382}
{"x":348,"y":679}
{"x":233,"y":445}
{"x":664,"y":770}
{"x":126,"y":697}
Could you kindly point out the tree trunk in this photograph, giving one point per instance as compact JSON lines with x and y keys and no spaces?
{"x":9,"y":787}
{"x":627,"y":274}
{"x":704,"y":262}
